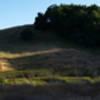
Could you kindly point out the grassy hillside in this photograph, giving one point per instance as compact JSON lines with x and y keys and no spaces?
{"x":46,"y":62}
{"x":46,"y":51}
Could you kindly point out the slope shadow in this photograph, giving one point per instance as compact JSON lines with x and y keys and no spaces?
{"x":51,"y":92}
{"x":10,"y":40}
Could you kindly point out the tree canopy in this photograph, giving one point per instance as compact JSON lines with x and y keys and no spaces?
{"x":77,"y":23}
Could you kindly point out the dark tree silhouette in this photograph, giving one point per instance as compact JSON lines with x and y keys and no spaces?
{"x":77,"y":23}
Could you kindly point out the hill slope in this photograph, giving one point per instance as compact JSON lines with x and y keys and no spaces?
{"x":49,"y":51}
{"x":47,"y":67}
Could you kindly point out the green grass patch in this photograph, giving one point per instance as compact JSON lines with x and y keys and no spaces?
{"x":41,"y":80}
{"x":40,"y":76}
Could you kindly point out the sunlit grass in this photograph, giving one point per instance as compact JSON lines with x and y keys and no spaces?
{"x":21,"y":81}
{"x":24,"y":54}
{"x":39,"y":77}
{"x":41,"y":80}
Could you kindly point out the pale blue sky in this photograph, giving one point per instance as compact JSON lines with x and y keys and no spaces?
{"x":19,"y":12}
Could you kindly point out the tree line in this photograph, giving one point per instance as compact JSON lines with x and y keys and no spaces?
{"x":78,"y":23}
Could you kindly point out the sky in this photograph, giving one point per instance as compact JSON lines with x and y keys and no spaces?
{"x":20,"y":12}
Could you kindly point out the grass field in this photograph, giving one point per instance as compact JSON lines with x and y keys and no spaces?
{"x":46,"y":62}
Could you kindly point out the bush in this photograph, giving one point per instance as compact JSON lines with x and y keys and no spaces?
{"x":27,"y":34}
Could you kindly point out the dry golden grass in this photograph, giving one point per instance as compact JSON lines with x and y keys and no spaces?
{"x":5,"y":65}
{"x":25,"y":54}
{"x":49,"y":58}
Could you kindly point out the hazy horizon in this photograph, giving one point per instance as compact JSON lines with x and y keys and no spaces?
{"x":22,"y":12}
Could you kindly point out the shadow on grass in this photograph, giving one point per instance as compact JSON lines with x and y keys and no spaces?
{"x":51,"y":92}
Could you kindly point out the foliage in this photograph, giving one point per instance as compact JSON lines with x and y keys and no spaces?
{"x":74,"y":22}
